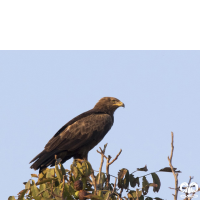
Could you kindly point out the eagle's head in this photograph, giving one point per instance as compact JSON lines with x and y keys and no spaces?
{"x":108,"y":105}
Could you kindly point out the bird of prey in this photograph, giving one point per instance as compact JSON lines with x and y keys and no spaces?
{"x":77,"y":137}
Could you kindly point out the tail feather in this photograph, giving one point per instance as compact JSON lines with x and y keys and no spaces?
{"x":38,"y":156}
{"x":44,"y":159}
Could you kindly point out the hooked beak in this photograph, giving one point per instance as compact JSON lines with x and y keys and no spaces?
{"x":120,"y":104}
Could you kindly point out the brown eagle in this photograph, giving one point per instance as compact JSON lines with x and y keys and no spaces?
{"x":77,"y":137}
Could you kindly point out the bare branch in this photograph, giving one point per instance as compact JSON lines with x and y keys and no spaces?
{"x":112,"y":191}
{"x":101,"y":154}
{"x":114,"y":185}
{"x":137,"y":194}
{"x":170,"y":164}
{"x":115,"y":157}
{"x":108,"y":163}
{"x":105,"y":173}
{"x":102,"y":159}
{"x":94,"y":182}
{"x":191,"y":177}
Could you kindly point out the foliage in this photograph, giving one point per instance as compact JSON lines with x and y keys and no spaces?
{"x":80,"y":182}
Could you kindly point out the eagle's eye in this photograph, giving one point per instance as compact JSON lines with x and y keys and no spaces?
{"x":114,"y":101}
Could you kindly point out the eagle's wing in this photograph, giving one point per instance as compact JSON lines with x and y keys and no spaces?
{"x":82,"y":132}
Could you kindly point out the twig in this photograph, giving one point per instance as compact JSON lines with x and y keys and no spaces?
{"x":94,"y":182}
{"x":170,"y":164}
{"x":114,"y":185}
{"x":186,"y":194}
{"x":137,"y":194}
{"x":52,"y":188}
{"x":108,"y":164}
{"x":112,"y":191}
{"x":191,"y":177}
{"x":105,"y":173}
{"x":101,"y":164}
{"x":115,"y":157}
{"x":174,"y":188}
{"x":121,"y":193}
{"x":63,"y":187}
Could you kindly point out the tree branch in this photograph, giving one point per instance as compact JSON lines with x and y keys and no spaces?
{"x":94,"y":182}
{"x":108,"y":163}
{"x":170,"y":164}
{"x":102,"y":159}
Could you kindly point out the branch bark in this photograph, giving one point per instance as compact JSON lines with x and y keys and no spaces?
{"x":102,"y":159}
{"x":170,"y":164}
{"x":108,"y":163}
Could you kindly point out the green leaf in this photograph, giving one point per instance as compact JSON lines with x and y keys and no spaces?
{"x":75,"y":171}
{"x":87,"y":168}
{"x":57,"y":192}
{"x":102,"y":179}
{"x":123,"y":178}
{"x":50,"y":173}
{"x":145,"y":185}
{"x":143,"y":169}
{"x":141,"y":197}
{"x":63,"y":171}
{"x":58,"y":172}
{"x":28,"y":185}
{"x":44,"y":193}
{"x":133,"y":194}
{"x":156,"y":180}
{"x":11,"y":198}
{"x":83,"y":179}
{"x":149,"y":198}
{"x":106,"y":195}
{"x":43,"y":173}
{"x":134,"y":181}
{"x":46,"y":180}
{"x":21,"y":194}
{"x":139,"y":193}
{"x":33,"y":182}
{"x":79,"y":166}
{"x":100,"y":193}
{"x":67,"y":192}
{"x":168,"y":169}
{"x":35,"y":191}
{"x":157,"y":198}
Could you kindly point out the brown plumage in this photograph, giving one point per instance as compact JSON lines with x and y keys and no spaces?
{"x":80,"y":135}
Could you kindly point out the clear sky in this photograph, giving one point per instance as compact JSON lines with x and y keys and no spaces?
{"x":42,"y":90}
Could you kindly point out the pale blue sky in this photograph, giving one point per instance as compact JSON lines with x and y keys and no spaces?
{"x":42,"y":90}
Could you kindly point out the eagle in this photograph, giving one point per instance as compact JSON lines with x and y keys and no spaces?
{"x":81,"y":134}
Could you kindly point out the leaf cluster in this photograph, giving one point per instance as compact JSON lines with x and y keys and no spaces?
{"x":80,"y":182}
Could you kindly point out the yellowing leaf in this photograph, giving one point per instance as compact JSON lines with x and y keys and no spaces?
{"x":34,"y":175}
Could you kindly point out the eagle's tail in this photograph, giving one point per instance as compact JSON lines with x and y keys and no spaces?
{"x":44,"y":159}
